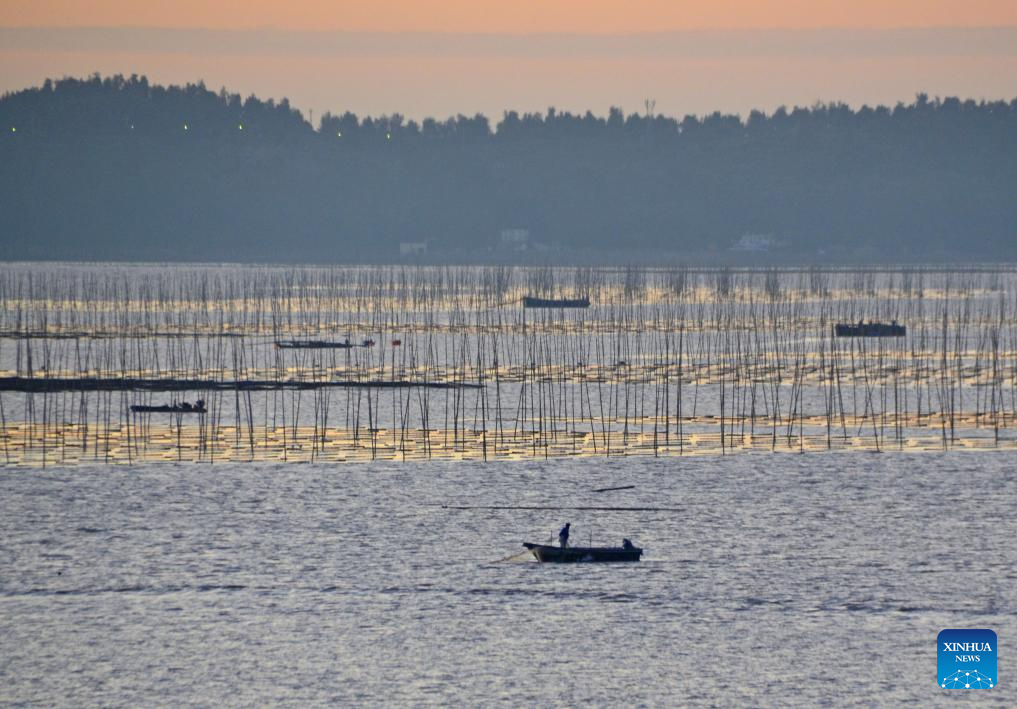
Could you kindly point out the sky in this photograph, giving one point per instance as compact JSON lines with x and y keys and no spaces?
{"x":438,"y":58}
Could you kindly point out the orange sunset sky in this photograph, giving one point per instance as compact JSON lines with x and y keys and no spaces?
{"x":425,"y":57}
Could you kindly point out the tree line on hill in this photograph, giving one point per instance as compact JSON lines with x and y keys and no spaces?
{"x":118,"y":168}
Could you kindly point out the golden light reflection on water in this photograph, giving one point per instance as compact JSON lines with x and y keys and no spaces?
{"x":66,"y":444}
{"x":665,"y":362}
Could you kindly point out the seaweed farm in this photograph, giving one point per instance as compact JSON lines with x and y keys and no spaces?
{"x":410,"y":363}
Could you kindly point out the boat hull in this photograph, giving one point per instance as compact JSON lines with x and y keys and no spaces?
{"x":313,"y":345}
{"x":576,"y":555}
{"x":139,"y":409}
{"x":531,"y":302}
{"x":870,"y":330}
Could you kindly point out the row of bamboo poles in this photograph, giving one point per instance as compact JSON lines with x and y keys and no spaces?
{"x":665,"y":362}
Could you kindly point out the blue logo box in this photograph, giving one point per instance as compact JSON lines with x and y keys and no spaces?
{"x":966,"y":659}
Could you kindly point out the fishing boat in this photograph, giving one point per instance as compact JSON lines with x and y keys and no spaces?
{"x":183,"y":408}
{"x":531,"y":302}
{"x":313,"y":345}
{"x":572,"y":555}
{"x":870,"y":329}
{"x":320,"y":344}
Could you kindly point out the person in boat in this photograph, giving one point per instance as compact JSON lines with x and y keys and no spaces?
{"x":200,"y":404}
{"x":563,"y":535}
{"x":627,"y":545}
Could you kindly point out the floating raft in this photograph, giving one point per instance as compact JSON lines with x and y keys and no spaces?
{"x":50,"y":384}
{"x":871,"y":329}
{"x":574,"y":555}
{"x":531,"y":302}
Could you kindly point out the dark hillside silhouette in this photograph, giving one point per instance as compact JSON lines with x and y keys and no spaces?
{"x":117,"y":168}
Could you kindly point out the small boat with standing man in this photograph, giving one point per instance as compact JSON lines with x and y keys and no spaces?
{"x":564,"y":554}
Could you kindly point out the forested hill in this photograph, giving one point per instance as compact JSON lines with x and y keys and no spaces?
{"x":121,"y":169}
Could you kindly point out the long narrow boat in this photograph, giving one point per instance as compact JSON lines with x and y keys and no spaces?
{"x":313,"y":345}
{"x":320,"y":344}
{"x":169,"y":409}
{"x":870,"y":329}
{"x":572,"y":555}
{"x":531,"y":302}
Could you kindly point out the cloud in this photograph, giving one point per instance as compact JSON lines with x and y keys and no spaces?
{"x":696,"y":44}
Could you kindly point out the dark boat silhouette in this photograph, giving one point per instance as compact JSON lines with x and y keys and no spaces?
{"x":870,"y":329}
{"x":182,"y":408}
{"x":573,"y":555}
{"x":320,"y":344}
{"x":531,"y":302}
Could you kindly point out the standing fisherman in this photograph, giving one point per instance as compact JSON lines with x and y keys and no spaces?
{"x":563,"y":535}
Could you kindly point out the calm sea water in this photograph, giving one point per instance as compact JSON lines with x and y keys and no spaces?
{"x":777,"y":580}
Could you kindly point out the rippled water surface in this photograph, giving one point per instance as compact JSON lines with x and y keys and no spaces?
{"x":774,"y":580}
